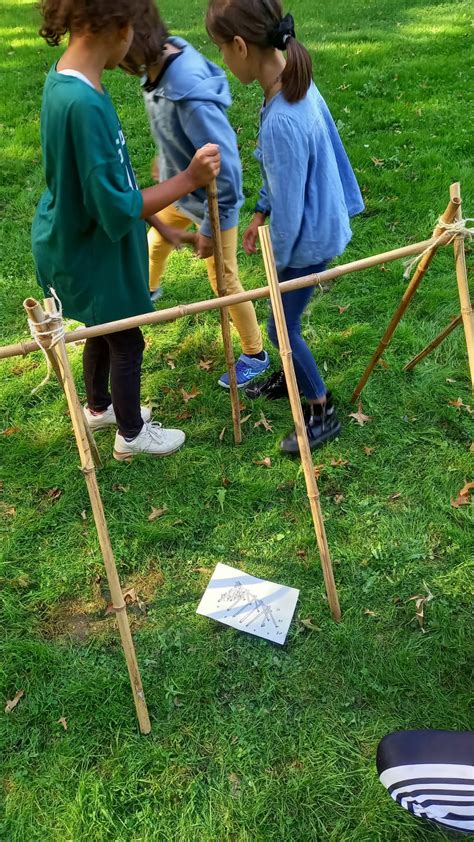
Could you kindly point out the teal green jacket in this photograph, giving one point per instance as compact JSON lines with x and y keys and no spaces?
{"x":89,"y":242}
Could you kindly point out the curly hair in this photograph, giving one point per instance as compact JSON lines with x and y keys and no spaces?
{"x":72,"y":16}
{"x":149,"y":41}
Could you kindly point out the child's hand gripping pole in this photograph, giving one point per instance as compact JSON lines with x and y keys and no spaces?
{"x":225,"y":323}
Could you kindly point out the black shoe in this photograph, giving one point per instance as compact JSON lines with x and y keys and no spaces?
{"x":272,"y":388}
{"x":321,"y":426}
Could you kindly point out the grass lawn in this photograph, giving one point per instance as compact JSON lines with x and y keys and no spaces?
{"x":250,"y":742}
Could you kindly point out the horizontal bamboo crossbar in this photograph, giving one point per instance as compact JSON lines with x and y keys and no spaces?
{"x":22,"y":348}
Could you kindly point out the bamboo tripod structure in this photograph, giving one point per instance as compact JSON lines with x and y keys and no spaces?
{"x":297,"y":411}
{"x":51,"y":321}
{"x":212,"y":196}
{"x":452,"y":212}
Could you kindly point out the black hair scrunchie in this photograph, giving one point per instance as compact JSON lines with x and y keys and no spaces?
{"x":285,"y":30}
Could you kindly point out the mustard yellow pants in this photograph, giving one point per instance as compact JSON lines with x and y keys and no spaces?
{"x":242,"y":315}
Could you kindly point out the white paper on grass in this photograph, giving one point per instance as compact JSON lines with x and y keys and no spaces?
{"x":248,"y":604}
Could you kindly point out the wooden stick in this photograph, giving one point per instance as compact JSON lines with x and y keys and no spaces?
{"x":418,"y":276}
{"x":212,"y":197}
{"x":37,"y":315}
{"x":300,"y":427}
{"x":434,"y":344}
{"x":467,"y":312}
{"x":21,"y":349}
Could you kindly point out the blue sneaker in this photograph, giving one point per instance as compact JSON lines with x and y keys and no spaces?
{"x":246,"y":368}
{"x":155,"y":294}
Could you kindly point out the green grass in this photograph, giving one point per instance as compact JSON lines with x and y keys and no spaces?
{"x":250,"y":742}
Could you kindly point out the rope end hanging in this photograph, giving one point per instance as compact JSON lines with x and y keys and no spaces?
{"x":51,"y":327}
{"x":458,"y":228}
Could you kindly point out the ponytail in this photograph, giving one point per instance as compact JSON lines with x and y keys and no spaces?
{"x":297,"y":75}
{"x":261,"y":22}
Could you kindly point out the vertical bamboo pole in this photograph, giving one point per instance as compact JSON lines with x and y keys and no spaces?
{"x":434,"y":344}
{"x":467,"y":312}
{"x":412,"y":287}
{"x":212,"y":196}
{"x":36,"y":314}
{"x":300,"y":427}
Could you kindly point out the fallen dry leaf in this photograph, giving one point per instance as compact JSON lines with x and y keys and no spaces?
{"x":205,"y":365}
{"x":222,"y":434}
{"x":234,"y":785}
{"x":378,"y":162}
{"x":10,"y":431}
{"x":188,"y":396}
{"x":84,"y":514}
{"x":301,"y":553}
{"x":342,"y":309}
{"x":53,"y":494}
{"x":369,"y":612}
{"x":384,"y":268}
{"x":156,"y":513}
{"x":395,"y":496}
{"x":63,"y":721}
{"x":266,"y":462}
{"x":184,"y":415}
{"x":122,"y":488}
{"x":336,"y":463}
{"x":368,"y":451}
{"x":308,"y":624}
{"x":359,"y":416}
{"x":383,"y":364}
{"x":264,"y":422}
{"x":10,"y":511}
{"x":420,"y":602}
{"x":464,"y":496}
{"x":171,"y":361}
{"x":12,"y":703}
{"x":338,"y":499}
{"x":205,"y":570}
{"x":457,"y":402}
{"x":317,"y":470}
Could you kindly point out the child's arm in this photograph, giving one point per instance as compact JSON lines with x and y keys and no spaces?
{"x":285,"y":161}
{"x":203,"y":168}
{"x":172,"y":235}
{"x":208,"y":122}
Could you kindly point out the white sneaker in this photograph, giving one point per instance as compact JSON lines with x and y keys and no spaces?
{"x":152,"y":439}
{"x":108,"y":419}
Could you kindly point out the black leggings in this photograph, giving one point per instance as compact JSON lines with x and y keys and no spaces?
{"x":431,"y":774}
{"x":117,"y":356}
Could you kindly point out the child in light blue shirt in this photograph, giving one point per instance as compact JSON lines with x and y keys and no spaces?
{"x":309,"y":190}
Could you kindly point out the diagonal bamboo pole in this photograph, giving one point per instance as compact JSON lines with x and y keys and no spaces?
{"x":434,"y":344}
{"x":467,"y":312}
{"x":212,"y":196}
{"x":295,"y":402}
{"x":36,"y":315}
{"x":58,"y":351}
{"x":415,"y":282}
{"x":19,"y":349}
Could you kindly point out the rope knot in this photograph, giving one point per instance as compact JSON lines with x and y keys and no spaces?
{"x":458,"y":228}
{"x":52,"y":328}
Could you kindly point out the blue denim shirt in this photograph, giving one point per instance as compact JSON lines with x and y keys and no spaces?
{"x":309,"y":187}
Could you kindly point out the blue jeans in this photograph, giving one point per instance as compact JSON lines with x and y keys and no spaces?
{"x":307,"y":373}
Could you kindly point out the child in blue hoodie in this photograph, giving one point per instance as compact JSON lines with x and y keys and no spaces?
{"x":186,"y":98}
{"x":309,"y":189}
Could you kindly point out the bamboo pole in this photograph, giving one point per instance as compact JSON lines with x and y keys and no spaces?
{"x":212,"y":197}
{"x":20,"y":349}
{"x":434,"y":344}
{"x":37,"y":315}
{"x":467,"y":312}
{"x":300,"y":427}
{"x":415,"y":282}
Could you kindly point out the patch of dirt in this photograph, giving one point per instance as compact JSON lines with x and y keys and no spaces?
{"x":80,"y":619}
